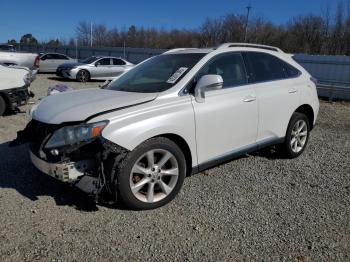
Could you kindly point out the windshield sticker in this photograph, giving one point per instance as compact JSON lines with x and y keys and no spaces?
{"x":177,"y":75}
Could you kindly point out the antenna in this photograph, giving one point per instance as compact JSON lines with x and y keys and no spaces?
{"x":249,"y":7}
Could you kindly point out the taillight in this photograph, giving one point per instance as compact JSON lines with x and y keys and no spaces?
{"x":37,"y":62}
{"x":314,"y":80}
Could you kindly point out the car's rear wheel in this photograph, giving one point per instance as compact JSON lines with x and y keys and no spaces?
{"x":151,"y":175}
{"x":297,"y":136}
{"x":2,"y":105}
{"x":83,"y":76}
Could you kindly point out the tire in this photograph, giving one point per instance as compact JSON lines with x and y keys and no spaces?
{"x":297,"y":136}
{"x":2,"y":106}
{"x":83,"y":76}
{"x":135,"y":179}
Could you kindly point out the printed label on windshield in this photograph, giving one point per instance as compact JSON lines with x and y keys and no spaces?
{"x":177,"y":75}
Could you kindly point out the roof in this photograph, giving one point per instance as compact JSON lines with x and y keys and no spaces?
{"x":223,"y":46}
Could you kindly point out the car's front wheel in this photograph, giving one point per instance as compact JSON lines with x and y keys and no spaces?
{"x":151,"y":175}
{"x":297,"y":136}
{"x":83,"y":76}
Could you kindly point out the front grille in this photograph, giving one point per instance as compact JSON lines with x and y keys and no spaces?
{"x":40,"y":131}
{"x":36,"y":133}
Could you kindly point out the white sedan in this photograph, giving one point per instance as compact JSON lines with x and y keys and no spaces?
{"x":99,"y":68}
{"x":50,"y":61}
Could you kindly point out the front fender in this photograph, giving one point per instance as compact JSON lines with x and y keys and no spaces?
{"x":135,"y":125}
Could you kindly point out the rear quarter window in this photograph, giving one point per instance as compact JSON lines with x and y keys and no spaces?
{"x":290,"y":70}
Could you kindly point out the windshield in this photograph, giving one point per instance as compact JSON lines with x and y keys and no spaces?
{"x":89,"y":60}
{"x":157,"y":74}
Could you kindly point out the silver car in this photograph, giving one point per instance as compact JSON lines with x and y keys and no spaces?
{"x":100,"y":68}
{"x":50,"y":61}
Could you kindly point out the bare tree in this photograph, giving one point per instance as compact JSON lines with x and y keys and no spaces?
{"x":328,"y":33}
{"x":83,"y":33}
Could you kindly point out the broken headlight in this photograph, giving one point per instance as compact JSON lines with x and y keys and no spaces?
{"x":73,"y":135}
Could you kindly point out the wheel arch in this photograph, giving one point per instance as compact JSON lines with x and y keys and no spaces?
{"x":181,"y":142}
{"x":309,"y":112}
{"x":6,"y":99}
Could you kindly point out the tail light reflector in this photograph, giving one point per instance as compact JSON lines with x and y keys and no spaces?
{"x":37,"y":62}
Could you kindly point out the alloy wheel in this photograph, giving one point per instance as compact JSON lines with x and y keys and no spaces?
{"x":154,"y":175}
{"x":83,"y":76}
{"x":298,"y":136}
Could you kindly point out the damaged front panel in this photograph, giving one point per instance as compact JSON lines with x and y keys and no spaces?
{"x":79,"y":164}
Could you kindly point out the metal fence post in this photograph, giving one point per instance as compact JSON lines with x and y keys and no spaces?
{"x":331,"y":95}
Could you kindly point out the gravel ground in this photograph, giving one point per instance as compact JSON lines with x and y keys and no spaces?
{"x":258,"y":207}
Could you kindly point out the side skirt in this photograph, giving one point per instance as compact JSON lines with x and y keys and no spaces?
{"x":235,"y":154}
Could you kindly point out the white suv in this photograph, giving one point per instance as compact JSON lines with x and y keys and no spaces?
{"x":173,"y":115}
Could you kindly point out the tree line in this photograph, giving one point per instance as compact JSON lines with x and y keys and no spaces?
{"x":327,"y":33}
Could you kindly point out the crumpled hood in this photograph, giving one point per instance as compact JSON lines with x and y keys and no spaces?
{"x":78,"y":105}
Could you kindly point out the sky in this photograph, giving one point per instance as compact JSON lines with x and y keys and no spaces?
{"x":58,"y":19}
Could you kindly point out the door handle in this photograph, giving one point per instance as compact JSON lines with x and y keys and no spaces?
{"x":292,"y":91}
{"x":249,"y":99}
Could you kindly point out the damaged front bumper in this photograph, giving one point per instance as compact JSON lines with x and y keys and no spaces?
{"x":17,"y":96}
{"x":85,"y":165}
{"x":69,"y":172}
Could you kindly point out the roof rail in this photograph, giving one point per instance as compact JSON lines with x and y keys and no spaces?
{"x":176,"y":50}
{"x":267,"y":47}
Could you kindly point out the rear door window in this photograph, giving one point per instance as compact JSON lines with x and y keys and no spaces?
{"x":61,"y":57}
{"x":104,"y":61}
{"x":49,"y":56}
{"x":264,"y":67}
{"x":118,"y":61}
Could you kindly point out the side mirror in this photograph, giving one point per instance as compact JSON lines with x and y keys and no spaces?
{"x":97,"y":64}
{"x":207,"y":83}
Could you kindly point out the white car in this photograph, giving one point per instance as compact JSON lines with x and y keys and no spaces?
{"x":173,"y":115}
{"x":98,"y":68}
{"x":14,"y":87}
{"x":29,"y":60}
{"x":49,"y":62}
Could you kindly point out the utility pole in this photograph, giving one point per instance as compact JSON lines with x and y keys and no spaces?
{"x":124,"y":45}
{"x":76,"y":49}
{"x":91,"y":34}
{"x":247,"y":22}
